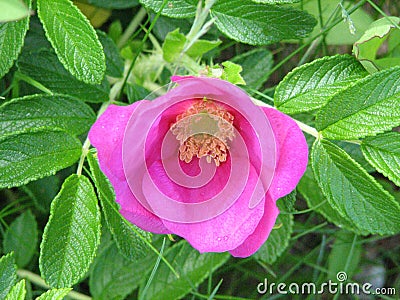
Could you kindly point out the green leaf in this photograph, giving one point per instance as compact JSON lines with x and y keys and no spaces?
{"x":74,"y":39}
{"x":12,"y":10}
{"x":175,"y":42}
{"x":309,"y":189}
{"x":173,"y":45}
{"x":383,"y":152}
{"x":275,"y":1}
{"x":113,"y":276}
{"x":231,"y":73}
{"x":30,"y":156}
{"x":353,"y":192}
{"x":256,"y":65}
{"x":311,"y":85}
{"x":17,"y":292}
{"x":368,"y":107}
{"x":286,"y":203}
{"x":115,"y":4}
{"x":277,"y":241}
{"x":366,"y":48}
{"x":173,"y":9}
{"x":344,"y":33}
{"x":344,"y":256}
{"x":114,"y":62}
{"x":22,"y":237}
{"x":72,"y":234}
{"x":39,"y":112}
{"x":11,"y":41}
{"x":54,"y":294}
{"x":192,"y":266}
{"x":42,"y":192}
{"x":126,"y":236}
{"x":8,"y":274}
{"x":260,"y":24}
{"x":44,"y":67}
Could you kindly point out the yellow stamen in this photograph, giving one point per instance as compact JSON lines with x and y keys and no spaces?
{"x":204,"y":129}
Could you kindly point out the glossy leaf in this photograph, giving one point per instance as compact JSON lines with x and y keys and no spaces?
{"x":30,"y":156}
{"x":310,"y":86}
{"x":21,"y":238}
{"x":383,"y":152}
{"x":277,"y":241}
{"x":72,"y":234}
{"x":125,"y":235}
{"x":44,"y":67}
{"x":12,"y":10}
{"x":73,"y":39}
{"x":260,"y":24}
{"x":11,"y":41}
{"x":275,"y":1}
{"x":17,"y":292}
{"x":173,"y":9}
{"x":39,"y":112}
{"x":54,"y":294}
{"x":353,"y":192}
{"x":368,"y":107}
{"x":309,"y":189}
{"x":8,"y":274}
{"x":192,"y":266}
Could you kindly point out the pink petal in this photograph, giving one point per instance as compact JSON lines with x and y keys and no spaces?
{"x":107,"y":135}
{"x":227,"y":230}
{"x":292,"y":154}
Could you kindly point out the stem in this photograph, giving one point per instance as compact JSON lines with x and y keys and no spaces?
{"x":85,"y":150}
{"x":37,"y":280}
{"x":133,"y":25}
{"x":304,"y":127}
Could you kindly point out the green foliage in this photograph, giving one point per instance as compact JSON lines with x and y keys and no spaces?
{"x":383,"y":152}
{"x":260,"y":24}
{"x":81,"y":54}
{"x":54,"y":294}
{"x":114,"y":62}
{"x":11,"y":40}
{"x":44,"y":67}
{"x":115,"y":4}
{"x":312,"y":85}
{"x":113,"y":276}
{"x":21,"y":238}
{"x":366,"y":48}
{"x":277,"y":241}
{"x":12,"y":10}
{"x":8,"y":274}
{"x":353,"y":192}
{"x":32,"y":155}
{"x":45,"y":112}
{"x":17,"y":292}
{"x":130,"y":240}
{"x":366,"y":108}
{"x":256,"y":65}
{"x":345,"y":255}
{"x":72,"y":234}
{"x":175,"y":9}
{"x":192,"y":267}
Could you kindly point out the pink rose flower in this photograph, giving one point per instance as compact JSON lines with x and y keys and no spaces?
{"x":202,"y":162}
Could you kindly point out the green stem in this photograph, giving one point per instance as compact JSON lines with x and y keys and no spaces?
{"x":383,"y":13}
{"x":304,"y":127}
{"x":133,"y":25}
{"x":37,"y":280}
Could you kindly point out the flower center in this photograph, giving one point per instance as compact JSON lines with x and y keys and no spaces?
{"x":204,"y":130}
